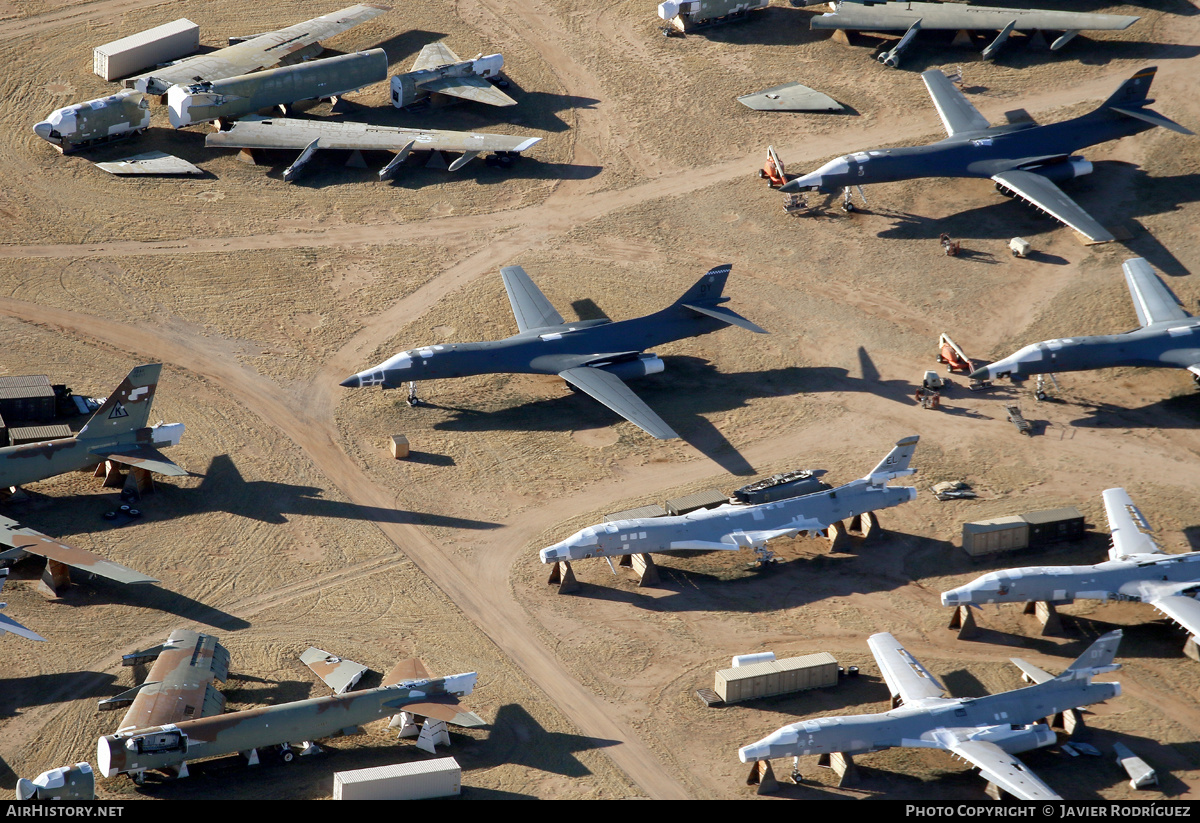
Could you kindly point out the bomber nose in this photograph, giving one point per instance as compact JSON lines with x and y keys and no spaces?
{"x":753,"y":752}
{"x":352,"y":382}
{"x":43,"y":130}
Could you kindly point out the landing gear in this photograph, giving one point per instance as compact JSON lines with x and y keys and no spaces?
{"x":847,"y":203}
{"x":286,"y":753}
{"x":413,"y":400}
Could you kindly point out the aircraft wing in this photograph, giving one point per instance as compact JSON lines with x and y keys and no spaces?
{"x":291,"y":133}
{"x":612,"y":392}
{"x":957,"y":113}
{"x":434,"y":55}
{"x":12,"y":534}
{"x":179,"y":685}
{"x":7,"y":624}
{"x":1003,"y":769}
{"x":142,"y":456}
{"x":260,"y":52}
{"x":529,"y":305}
{"x":1131,"y":534}
{"x":898,"y":16}
{"x":1182,"y":609}
{"x":1048,"y":197}
{"x":905,"y":676}
{"x":448,"y":710}
{"x":472,"y":87}
{"x":338,"y":674}
{"x":1152,"y":300}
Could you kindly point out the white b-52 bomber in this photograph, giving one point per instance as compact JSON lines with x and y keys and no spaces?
{"x":732,"y":527}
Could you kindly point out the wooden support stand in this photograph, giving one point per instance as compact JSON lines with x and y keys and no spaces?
{"x":1190,"y":649}
{"x":995,"y":792}
{"x":247,"y":156}
{"x":138,"y":482}
{"x":1070,"y":721}
{"x":111,"y":472}
{"x":55,"y":577}
{"x":837,"y":536}
{"x":842,"y":766}
{"x":865,"y":525}
{"x":564,"y":577}
{"x":964,"y":621}
{"x":1047,"y":616}
{"x":841,"y":36}
{"x":962,"y":39}
{"x":763,"y":776}
{"x":643,"y":566}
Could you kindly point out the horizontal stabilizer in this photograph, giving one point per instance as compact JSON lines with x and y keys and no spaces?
{"x":726,"y":315}
{"x":475,"y":89}
{"x":118,"y":701}
{"x":450,"y":712}
{"x":338,"y":674}
{"x":81,"y":559}
{"x":1033,"y":672}
{"x":1152,"y":117}
{"x":411,"y":669}
{"x":142,"y":456}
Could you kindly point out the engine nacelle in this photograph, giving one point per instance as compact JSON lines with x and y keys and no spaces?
{"x":1018,"y":739}
{"x":488,"y":66}
{"x":644,"y":365}
{"x":133,"y":752}
{"x":1071,"y":168}
{"x":405,"y":89}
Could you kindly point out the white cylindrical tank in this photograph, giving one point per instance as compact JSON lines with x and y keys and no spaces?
{"x":751,"y":659}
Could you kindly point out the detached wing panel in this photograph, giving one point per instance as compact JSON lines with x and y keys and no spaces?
{"x":957,"y":113}
{"x":612,"y":392}
{"x":142,"y":456}
{"x":1131,"y":533}
{"x":12,"y":534}
{"x":475,"y":89}
{"x":291,"y":133}
{"x":905,"y":676}
{"x":1152,"y":300}
{"x":1050,"y":198}
{"x":261,"y":52}
{"x":529,"y":305}
{"x":1001,"y":768}
{"x":339,"y":674}
{"x":433,"y":56}
{"x":956,"y":16}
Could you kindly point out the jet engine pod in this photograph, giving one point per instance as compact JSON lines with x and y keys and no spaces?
{"x":404,"y":90}
{"x":1069,"y":169}
{"x":1017,"y":739}
{"x":643,"y":365}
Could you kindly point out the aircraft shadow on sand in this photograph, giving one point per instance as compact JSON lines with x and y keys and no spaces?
{"x":44,"y":689}
{"x":1179,"y":412}
{"x":224,"y":489}
{"x":517,"y":738}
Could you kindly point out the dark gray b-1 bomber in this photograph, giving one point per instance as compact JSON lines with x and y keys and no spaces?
{"x":594,"y":356}
{"x":984,"y":731}
{"x":1026,"y":160}
{"x":1168,"y":337}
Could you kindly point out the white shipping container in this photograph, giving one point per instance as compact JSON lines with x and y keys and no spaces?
{"x":401,"y":781}
{"x":146,"y":49}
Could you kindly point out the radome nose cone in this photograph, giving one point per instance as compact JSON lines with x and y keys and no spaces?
{"x":981,"y":374}
{"x":352,"y":382}
{"x":753,"y":752}
{"x":43,"y":130}
{"x":791,"y":185}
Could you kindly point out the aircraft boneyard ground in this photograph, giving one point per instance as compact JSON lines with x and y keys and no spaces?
{"x":298,"y":529}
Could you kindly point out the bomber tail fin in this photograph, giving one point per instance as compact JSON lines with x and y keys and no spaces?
{"x":1098,"y":658}
{"x":896,"y":463}
{"x":1133,"y":96}
{"x":706,"y":296}
{"x":128,"y":407}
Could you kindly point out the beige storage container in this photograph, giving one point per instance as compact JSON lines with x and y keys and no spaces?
{"x":146,"y":49}
{"x":811,"y":671}
{"x":401,"y":781}
{"x":1000,"y":534}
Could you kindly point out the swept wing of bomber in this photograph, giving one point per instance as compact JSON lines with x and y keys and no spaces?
{"x":1137,"y":569}
{"x":438,"y":70}
{"x":284,"y":47}
{"x":175,"y":716}
{"x":310,"y":136}
{"x":912,"y":18}
{"x":1167,"y":336}
{"x":1025,"y":160}
{"x":732,"y":527}
{"x":985,"y":731}
{"x":594,"y":356}
{"x":117,"y":431}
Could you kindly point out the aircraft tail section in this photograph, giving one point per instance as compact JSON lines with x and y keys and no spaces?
{"x":1133,"y":92}
{"x":127,"y":409}
{"x":1098,"y":658}
{"x":895,"y":464}
{"x":706,"y":296}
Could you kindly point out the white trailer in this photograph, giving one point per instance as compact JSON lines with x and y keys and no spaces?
{"x":146,"y":49}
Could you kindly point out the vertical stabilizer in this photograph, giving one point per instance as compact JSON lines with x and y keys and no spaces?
{"x":128,"y":407}
{"x":1134,"y":91}
{"x":708,"y":288}
{"x":1099,"y":656}
{"x":896,"y":462}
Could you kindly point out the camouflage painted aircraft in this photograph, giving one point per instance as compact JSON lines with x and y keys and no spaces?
{"x":594,"y":356}
{"x":439,"y":71}
{"x":1026,"y":160}
{"x":984,"y":731}
{"x":117,"y":432}
{"x":174,"y":717}
{"x":288,"y":46}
